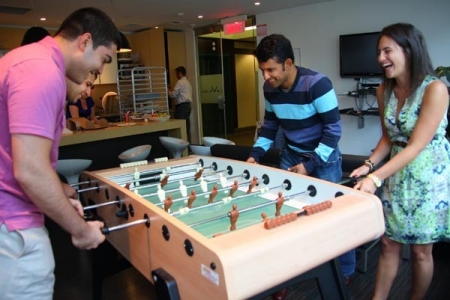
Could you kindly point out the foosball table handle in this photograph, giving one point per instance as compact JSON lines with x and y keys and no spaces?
{"x":270,"y":223}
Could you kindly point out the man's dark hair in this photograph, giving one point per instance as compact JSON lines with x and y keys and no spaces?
{"x":33,"y":35}
{"x":90,"y":20}
{"x":276,"y":47}
{"x":181,"y":69}
{"x":418,"y":62}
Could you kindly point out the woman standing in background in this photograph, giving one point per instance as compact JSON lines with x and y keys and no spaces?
{"x":412,"y":104}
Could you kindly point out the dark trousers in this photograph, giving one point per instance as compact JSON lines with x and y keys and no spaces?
{"x":183,"y":111}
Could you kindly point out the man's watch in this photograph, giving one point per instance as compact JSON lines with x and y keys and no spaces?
{"x":375,"y":180}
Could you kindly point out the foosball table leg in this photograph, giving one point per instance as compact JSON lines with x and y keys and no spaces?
{"x":106,"y":261}
{"x":329,"y":279}
{"x":165,"y":285}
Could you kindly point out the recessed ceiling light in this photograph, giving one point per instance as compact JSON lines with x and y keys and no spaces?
{"x":200,"y":17}
{"x":180,"y":14}
{"x":257,"y":3}
{"x":156,"y":27}
{"x":43,"y":19}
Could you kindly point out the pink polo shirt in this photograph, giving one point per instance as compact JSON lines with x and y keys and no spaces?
{"x":32,"y":98}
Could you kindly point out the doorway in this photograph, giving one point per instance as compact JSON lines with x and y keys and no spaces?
{"x":228,"y":89}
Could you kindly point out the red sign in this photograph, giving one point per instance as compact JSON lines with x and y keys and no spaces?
{"x":235,"y":27}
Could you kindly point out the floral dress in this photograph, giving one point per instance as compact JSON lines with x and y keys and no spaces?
{"x":416,"y":198}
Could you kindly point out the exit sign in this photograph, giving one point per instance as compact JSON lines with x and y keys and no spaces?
{"x":234,"y":27}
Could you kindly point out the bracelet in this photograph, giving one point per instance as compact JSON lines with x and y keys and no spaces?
{"x":369,"y":164}
{"x":375,"y":180}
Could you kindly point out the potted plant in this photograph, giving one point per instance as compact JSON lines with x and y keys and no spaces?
{"x":443,"y":72}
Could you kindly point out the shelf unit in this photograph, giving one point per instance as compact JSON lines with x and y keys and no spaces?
{"x":142,"y":90}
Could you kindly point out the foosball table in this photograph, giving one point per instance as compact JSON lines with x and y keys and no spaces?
{"x":204,"y":227}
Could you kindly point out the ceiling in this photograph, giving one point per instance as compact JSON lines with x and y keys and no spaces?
{"x":135,"y":15}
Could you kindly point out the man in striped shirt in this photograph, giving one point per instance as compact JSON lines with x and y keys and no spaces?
{"x":303,"y":104}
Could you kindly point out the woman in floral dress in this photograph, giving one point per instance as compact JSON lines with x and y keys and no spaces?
{"x":413,"y":105}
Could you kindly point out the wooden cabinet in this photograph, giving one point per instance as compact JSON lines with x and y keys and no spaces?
{"x":150,"y":45}
{"x":176,"y":52}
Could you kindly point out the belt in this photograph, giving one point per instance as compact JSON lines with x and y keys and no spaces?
{"x":400,"y":144}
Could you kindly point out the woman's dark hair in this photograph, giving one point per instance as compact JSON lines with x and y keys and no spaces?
{"x":418,"y":61}
{"x":33,"y":35}
{"x":90,"y":20}
{"x":276,"y":47}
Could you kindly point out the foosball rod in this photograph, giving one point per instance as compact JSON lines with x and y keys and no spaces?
{"x":197,"y":175}
{"x":271,"y":202}
{"x":203,"y":193}
{"x":311,"y":190}
{"x":188,"y":177}
{"x":107,"y":230}
{"x":156,"y":171}
{"x":79,"y":183}
{"x":102,"y":204}
{"x":185,"y":210}
{"x":161,"y":176}
{"x":94,"y":188}
{"x":168,"y":191}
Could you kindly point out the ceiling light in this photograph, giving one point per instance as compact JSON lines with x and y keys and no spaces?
{"x":257,"y":3}
{"x":200,"y":17}
{"x":124,"y":45}
{"x":43,"y":19}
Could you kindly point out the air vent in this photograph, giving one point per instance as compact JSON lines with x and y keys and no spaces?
{"x":176,"y":22}
{"x":132,"y":27}
{"x":13,"y":10}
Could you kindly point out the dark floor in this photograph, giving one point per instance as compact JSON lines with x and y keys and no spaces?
{"x":74,"y":279}
{"x":244,"y":137}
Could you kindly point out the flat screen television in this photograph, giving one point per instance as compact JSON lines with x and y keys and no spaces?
{"x":358,"y":55}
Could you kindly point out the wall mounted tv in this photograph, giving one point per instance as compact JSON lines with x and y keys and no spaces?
{"x":358,"y":55}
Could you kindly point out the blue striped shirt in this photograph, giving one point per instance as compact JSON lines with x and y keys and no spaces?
{"x":308,"y":115}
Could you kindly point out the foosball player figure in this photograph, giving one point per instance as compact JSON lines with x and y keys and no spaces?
{"x":234,"y":214}
{"x":191,"y":198}
{"x":164,"y":181}
{"x":264,"y":216}
{"x":253,"y":183}
{"x":198,"y":174}
{"x":183,"y":189}
{"x":213,"y":193}
{"x":168,"y":203}
{"x":279,"y":204}
{"x":234,"y":188}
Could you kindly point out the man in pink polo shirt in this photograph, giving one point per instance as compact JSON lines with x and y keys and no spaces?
{"x":32,"y":98}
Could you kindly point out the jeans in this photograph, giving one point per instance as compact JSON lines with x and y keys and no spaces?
{"x":330,"y":171}
{"x":183,"y":111}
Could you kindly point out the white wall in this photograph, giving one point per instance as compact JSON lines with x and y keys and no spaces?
{"x":191,"y":70}
{"x":315,"y":29}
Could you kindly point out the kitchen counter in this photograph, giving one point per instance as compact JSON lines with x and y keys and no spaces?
{"x":103,"y":146}
{"x":175,"y":128}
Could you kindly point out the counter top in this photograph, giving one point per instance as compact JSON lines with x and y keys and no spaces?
{"x":175,"y":128}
